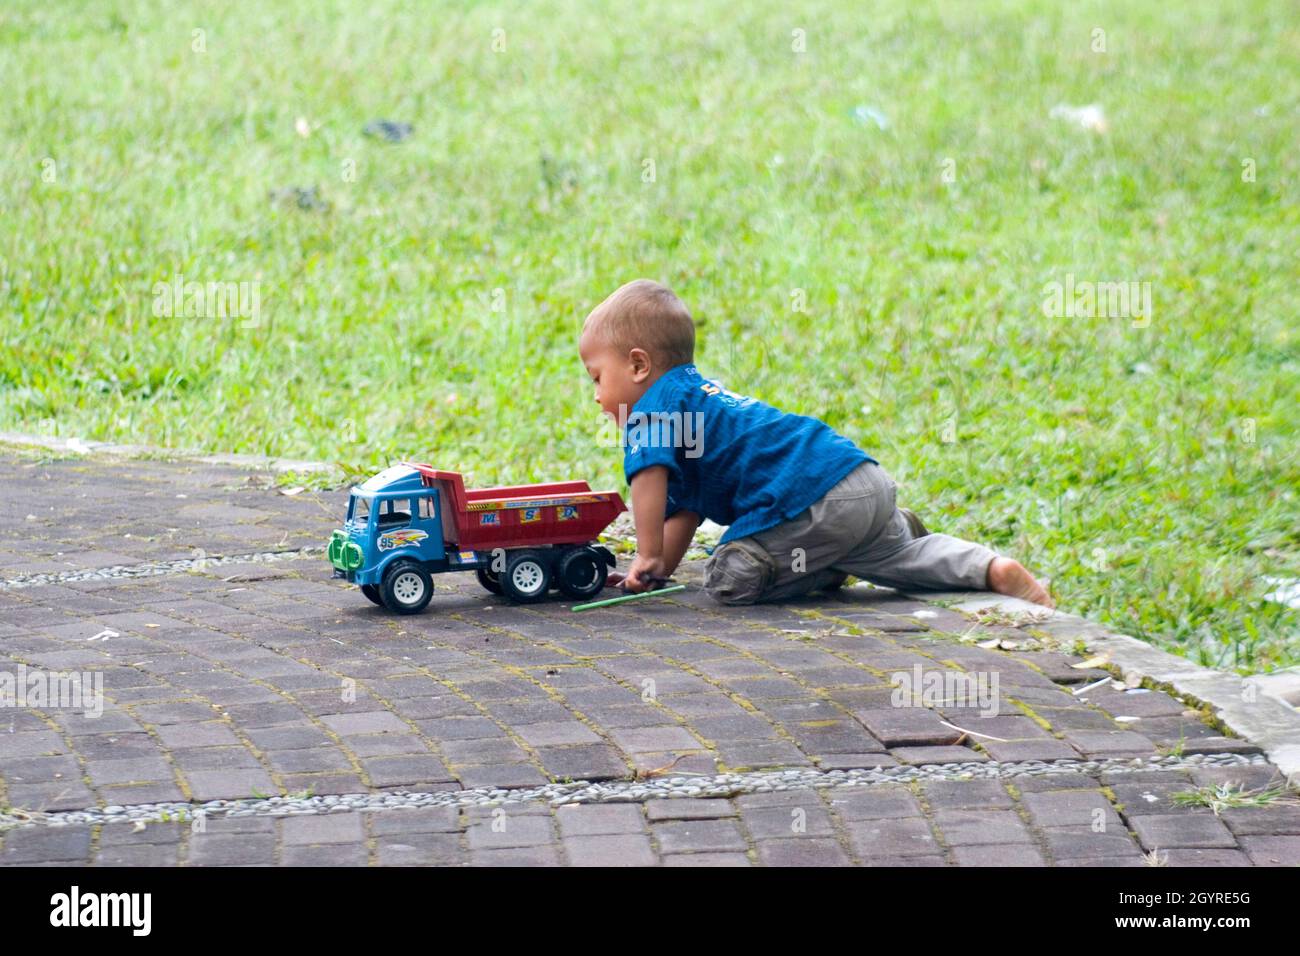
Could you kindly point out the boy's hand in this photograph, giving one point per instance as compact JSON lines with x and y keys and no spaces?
{"x":638,"y":577}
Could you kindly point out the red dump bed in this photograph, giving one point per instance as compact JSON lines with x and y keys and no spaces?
{"x":561,"y":512}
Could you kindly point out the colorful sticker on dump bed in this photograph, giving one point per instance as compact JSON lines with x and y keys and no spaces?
{"x":529,"y":515}
{"x":400,"y":539}
{"x":464,"y":557}
{"x":489,"y":517}
{"x":566,"y":512}
{"x":534,"y":502}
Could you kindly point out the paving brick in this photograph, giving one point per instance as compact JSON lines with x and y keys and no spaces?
{"x":1272,"y":850}
{"x":532,"y":856}
{"x":500,"y":775}
{"x":404,"y":771}
{"x":757,"y":756}
{"x":118,"y":834}
{"x":413,"y":820}
{"x":764,"y":823}
{"x":311,"y":760}
{"x":624,"y":849}
{"x":684,"y":809}
{"x":1018,"y":750}
{"x":598,"y":762}
{"x":974,"y":827}
{"x":654,"y":739}
{"x":925,"y":859}
{"x":893,"y":837}
{"x":966,"y":794}
{"x":217,"y":849}
{"x":144,"y":854}
{"x":1075,"y":842}
{"x":31,"y":744}
{"x":1109,"y":743}
{"x":1267,"y":820}
{"x":323,"y":856}
{"x":30,"y":770}
{"x":1182,"y":830}
{"x":420,"y":849}
{"x":919,"y":756}
{"x":599,"y":819}
{"x":1076,"y":718}
{"x":215,"y":758}
{"x":104,"y":772}
{"x":289,"y":737}
{"x":323,"y":784}
{"x":1205,"y":857}
{"x":499,"y":750}
{"x":374,"y":722}
{"x":1042,"y":783}
{"x":510,"y":830}
{"x":1072,"y":808}
{"x":691,"y":836}
{"x":554,"y":734}
{"x":208,"y":734}
{"x":1246,"y":777}
{"x":1013,"y":855}
{"x":707,"y":859}
{"x":60,"y":795}
{"x":69,"y":844}
{"x":802,"y":851}
{"x":1102,"y":861}
{"x":341,"y":827}
{"x":229,"y":784}
{"x":907,"y":727}
{"x":875,"y":803}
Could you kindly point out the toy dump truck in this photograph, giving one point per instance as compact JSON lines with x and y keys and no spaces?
{"x":412,"y":521}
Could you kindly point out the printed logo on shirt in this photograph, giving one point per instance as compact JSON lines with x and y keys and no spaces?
{"x":726,"y":396}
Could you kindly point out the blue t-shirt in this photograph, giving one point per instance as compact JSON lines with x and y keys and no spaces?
{"x":734,"y":460}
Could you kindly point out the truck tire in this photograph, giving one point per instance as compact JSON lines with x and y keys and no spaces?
{"x":527,"y":577}
{"x":372,"y":592}
{"x":581,"y":573}
{"x":407,"y":588}
{"x":489,"y":579}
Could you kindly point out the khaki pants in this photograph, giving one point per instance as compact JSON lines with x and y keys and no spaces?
{"x":856,"y":528}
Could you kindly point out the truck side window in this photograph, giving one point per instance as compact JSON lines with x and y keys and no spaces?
{"x":426,"y":507}
{"x":395,"y":512}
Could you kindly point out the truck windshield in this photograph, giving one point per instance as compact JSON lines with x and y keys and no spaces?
{"x":360,"y":509}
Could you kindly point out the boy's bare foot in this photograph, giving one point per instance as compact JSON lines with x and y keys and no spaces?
{"x":1010,"y":577}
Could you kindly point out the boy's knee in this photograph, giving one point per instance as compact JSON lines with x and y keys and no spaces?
{"x":739,"y":572}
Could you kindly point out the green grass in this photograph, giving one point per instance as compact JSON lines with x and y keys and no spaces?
{"x":1109,"y":458}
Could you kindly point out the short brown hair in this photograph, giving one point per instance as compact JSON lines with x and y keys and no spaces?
{"x":643,"y":314}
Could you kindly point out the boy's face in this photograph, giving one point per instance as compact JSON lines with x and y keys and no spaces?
{"x":620,"y":379}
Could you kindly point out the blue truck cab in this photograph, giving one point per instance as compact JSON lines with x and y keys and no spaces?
{"x":392,"y":517}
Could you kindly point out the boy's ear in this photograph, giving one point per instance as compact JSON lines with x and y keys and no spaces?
{"x":641,"y":364}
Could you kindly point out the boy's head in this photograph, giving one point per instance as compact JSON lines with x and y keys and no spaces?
{"x":629,"y":340}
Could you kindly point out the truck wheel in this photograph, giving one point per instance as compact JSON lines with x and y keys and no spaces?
{"x":407,"y":588}
{"x":372,"y":592}
{"x":527,"y":577}
{"x":489,"y":579}
{"x":581,"y":573}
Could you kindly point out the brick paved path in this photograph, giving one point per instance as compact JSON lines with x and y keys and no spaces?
{"x":255,"y":679}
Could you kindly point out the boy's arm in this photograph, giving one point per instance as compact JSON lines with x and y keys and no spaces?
{"x":660,"y":544}
{"x":649,"y":498}
{"x":678,"y":532}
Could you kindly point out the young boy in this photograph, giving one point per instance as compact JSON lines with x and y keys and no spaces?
{"x":806,"y":507}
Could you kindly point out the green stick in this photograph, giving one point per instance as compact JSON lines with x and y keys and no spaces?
{"x":630,"y":597}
